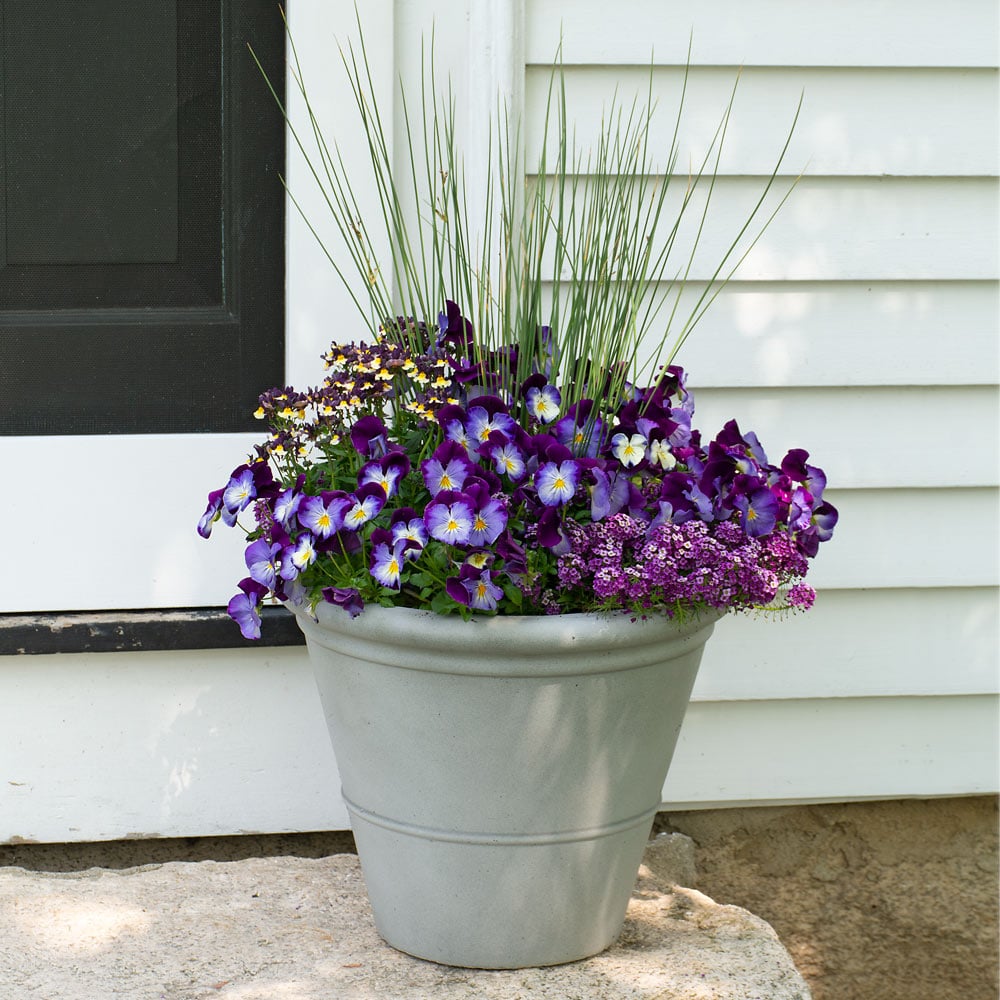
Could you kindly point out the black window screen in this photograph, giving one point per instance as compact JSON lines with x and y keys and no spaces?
{"x":141,"y":218}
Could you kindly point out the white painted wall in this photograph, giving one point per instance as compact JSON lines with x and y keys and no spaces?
{"x":864,"y":327}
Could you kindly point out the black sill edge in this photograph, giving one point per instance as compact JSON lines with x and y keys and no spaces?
{"x":123,"y":631}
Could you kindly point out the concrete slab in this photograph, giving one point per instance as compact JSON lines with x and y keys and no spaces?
{"x":289,"y":928}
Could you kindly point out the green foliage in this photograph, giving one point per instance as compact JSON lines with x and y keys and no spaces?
{"x":596,"y":228}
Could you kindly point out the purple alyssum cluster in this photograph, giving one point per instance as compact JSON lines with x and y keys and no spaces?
{"x":423,"y":475}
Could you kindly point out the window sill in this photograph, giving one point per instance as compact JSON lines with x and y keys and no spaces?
{"x":122,"y":631}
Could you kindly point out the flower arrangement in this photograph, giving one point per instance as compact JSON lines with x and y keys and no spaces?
{"x":497,"y":458}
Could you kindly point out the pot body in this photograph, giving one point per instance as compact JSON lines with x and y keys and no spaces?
{"x":502,"y":773}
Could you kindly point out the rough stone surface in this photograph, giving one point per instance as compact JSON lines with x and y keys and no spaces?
{"x":875,"y":900}
{"x":286,"y":928}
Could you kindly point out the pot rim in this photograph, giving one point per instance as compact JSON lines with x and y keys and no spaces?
{"x":508,"y":645}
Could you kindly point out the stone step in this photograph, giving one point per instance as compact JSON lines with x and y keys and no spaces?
{"x":287,"y":928}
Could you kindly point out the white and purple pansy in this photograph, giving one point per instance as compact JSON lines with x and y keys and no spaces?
{"x":449,"y":518}
{"x":543,"y":403}
{"x":407,"y":526}
{"x":386,"y":471}
{"x":286,"y":505}
{"x":246,"y":484}
{"x":489,"y":514}
{"x":508,"y":460}
{"x":556,"y":482}
{"x":263,"y":559}
{"x":302,"y":554}
{"x":363,"y":505}
{"x":481,"y":423}
{"x":387,"y":559}
{"x":244,"y":608}
{"x":474,"y":588}
{"x":629,"y":449}
{"x":324,"y":514}
{"x":446,"y":469}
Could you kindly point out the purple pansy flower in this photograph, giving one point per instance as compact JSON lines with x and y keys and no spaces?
{"x":363,"y":505}
{"x":489,"y":515}
{"x":301,"y":555}
{"x":454,"y":330}
{"x":456,"y":432}
{"x":212,"y":514}
{"x":386,"y":471}
{"x":551,"y":531}
{"x":556,"y":482}
{"x":449,"y":518}
{"x":508,"y":460}
{"x":240,"y":491}
{"x":446,"y":469}
{"x":323,"y":515}
{"x":581,"y":429}
{"x":387,"y":563}
{"x":369,"y":436}
{"x":795,"y":467}
{"x":244,"y":608}
{"x":758,"y":512}
{"x":474,"y":588}
{"x":347,"y":598}
{"x":481,"y":424}
{"x":263,"y":559}
{"x":543,"y":403}
{"x":412,"y":530}
{"x":610,"y":494}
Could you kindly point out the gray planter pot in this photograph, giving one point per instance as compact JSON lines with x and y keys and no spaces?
{"x":501,"y":774}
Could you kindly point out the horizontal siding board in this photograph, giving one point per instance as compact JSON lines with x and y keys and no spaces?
{"x":921,"y":333}
{"x":845,"y":229}
{"x":858,"y":643}
{"x":135,"y":744}
{"x":841,"y":333}
{"x":834,"y":749}
{"x":870,"y":437}
{"x":764,"y":33}
{"x":911,"y":538}
{"x":853,"y":122}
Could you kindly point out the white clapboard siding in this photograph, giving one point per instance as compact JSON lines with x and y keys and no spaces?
{"x":168,"y":744}
{"x":834,"y":749}
{"x":869,"y":307}
{"x":847,"y":333}
{"x":911,"y":538}
{"x":845,"y":229}
{"x":233,"y":741}
{"x":764,"y":33}
{"x":869,"y":437}
{"x":858,"y":643}
{"x":900,"y":123}
{"x":839,"y":333}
